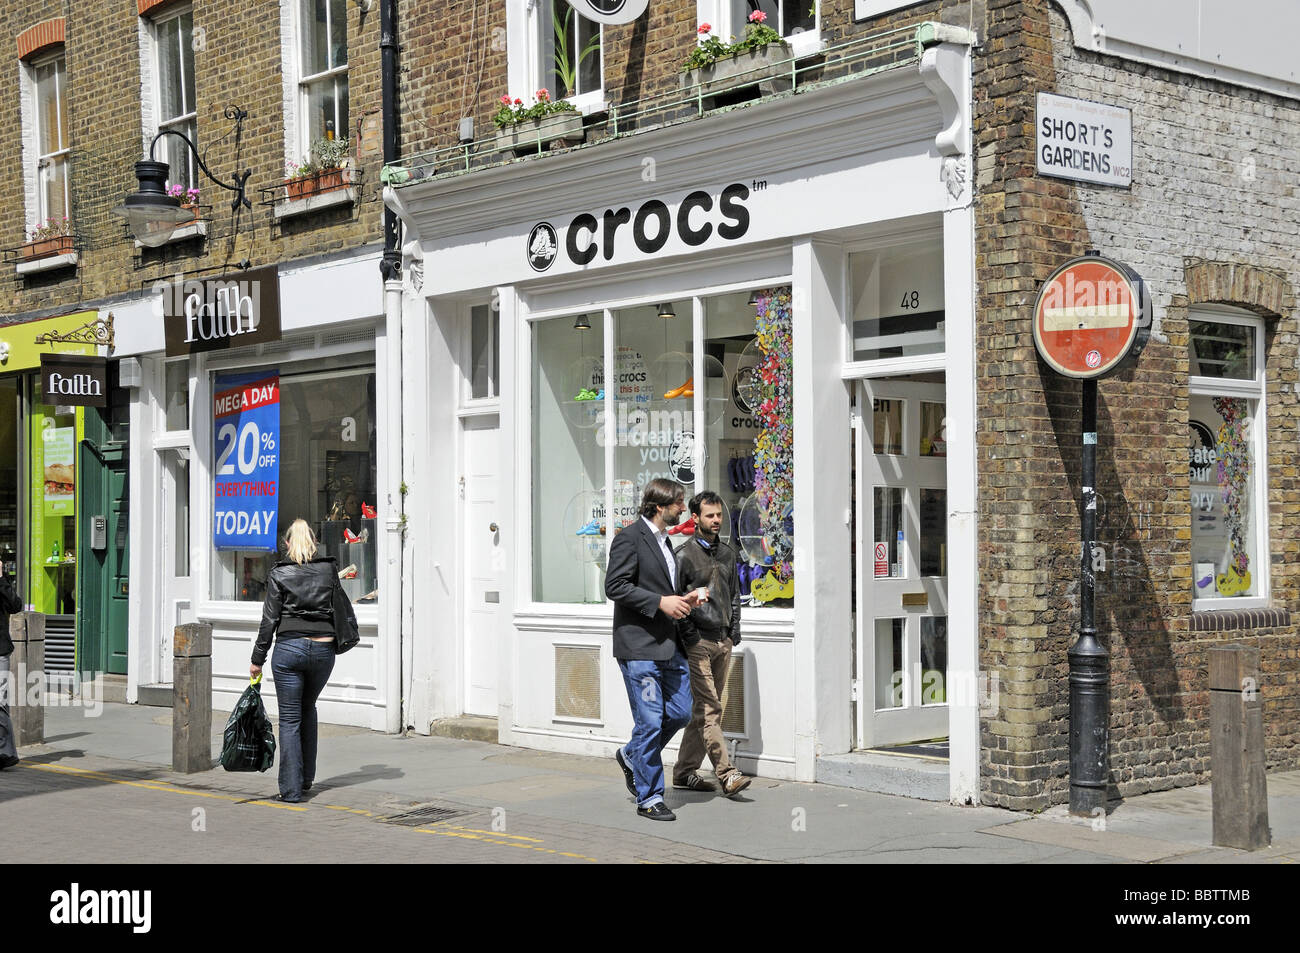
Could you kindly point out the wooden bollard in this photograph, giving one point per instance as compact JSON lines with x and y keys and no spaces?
{"x":192,"y":698}
{"x":27,"y":668}
{"x":1238,"y":783}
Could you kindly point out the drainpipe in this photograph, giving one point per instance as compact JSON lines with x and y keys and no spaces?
{"x":390,"y":267}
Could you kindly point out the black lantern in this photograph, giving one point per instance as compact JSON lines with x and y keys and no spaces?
{"x":582,"y":324}
{"x":666,"y":311}
{"x":153,"y":214}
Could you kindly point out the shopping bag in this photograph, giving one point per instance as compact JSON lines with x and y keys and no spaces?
{"x":249,"y":741}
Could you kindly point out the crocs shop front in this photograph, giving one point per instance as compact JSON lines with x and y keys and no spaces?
{"x":782,"y":313}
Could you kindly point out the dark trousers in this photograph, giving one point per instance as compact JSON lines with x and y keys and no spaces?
{"x":8,"y":752}
{"x":301,"y":668}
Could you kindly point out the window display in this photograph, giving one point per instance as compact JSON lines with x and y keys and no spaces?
{"x":721,"y":420}
{"x":55,"y":431}
{"x":326,"y":448}
{"x":10,"y":462}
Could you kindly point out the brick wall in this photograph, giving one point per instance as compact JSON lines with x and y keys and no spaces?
{"x":237,"y":62}
{"x":1189,"y":203}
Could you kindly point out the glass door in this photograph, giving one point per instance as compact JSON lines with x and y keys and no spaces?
{"x":902,"y":518}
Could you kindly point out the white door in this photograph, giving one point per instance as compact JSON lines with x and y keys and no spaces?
{"x":484,"y":562}
{"x":177,"y":604}
{"x":902,"y":518}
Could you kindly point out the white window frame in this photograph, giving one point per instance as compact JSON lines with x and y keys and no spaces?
{"x":491,"y":403}
{"x":303,"y":80}
{"x":1252,"y":390}
{"x":528,"y":30}
{"x":38,"y":212}
{"x":186,"y":123}
{"x":719,"y":15}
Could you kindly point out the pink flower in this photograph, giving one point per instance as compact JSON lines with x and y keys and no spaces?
{"x":519,"y":102}
{"x":758,"y":16}
{"x":704,"y":28}
{"x":543,"y":95}
{"x":505,"y":100}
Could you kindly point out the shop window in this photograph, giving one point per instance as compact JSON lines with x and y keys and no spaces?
{"x":11,"y":455}
{"x":322,"y":72}
{"x":796,"y":20}
{"x":55,"y":431}
{"x":326,"y":445}
{"x":718,"y":420}
{"x":178,"y":395}
{"x":174,"y":109}
{"x":898,"y":306}
{"x":1226,"y":444}
{"x":51,"y":157}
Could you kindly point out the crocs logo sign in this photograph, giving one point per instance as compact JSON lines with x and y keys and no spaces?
{"x":610,"y":11}
{"x":698,"y":218}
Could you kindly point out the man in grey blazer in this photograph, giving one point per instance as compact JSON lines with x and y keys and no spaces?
{"x":641,"y":581}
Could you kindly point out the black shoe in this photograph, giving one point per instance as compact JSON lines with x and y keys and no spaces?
{"x":628,"y":776}
{"x":693,"y":782}
{"x":657,"y":812}
{"x":7,"y":763}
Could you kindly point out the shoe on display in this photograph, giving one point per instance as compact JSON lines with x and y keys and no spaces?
{"x":685,"y":529}
{"x":770,"y":587}
{"x":349,"y":571}
{"x":686,"y":390}
{"x":586,"y":394}
{"x":368,"y":511}
{"x":600,"y":394}
{"x":592,"y":528}
{"x":349,"y":536}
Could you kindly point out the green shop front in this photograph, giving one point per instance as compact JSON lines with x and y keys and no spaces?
{"x":56,"y":447}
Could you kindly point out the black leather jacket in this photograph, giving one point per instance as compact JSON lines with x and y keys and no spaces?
{"x":299,"y":598}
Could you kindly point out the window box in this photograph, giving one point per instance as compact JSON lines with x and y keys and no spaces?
{"x":307,"y":186}
{"x":531,"y":135}
{"x":769,"y":69}
{"x":47,"y":247}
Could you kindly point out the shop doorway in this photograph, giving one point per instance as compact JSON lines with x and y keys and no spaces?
{"x":105,"y":558}
{"x":901,"y":562}
{"x":484,"y":561}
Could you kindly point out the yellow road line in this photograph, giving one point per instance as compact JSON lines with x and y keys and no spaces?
{"x":89,"y":775}
{"x":502,"y":843}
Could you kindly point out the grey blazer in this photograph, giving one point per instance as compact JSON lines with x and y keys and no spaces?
{"x":637,"y":576}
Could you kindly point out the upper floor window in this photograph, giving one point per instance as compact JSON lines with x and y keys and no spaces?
{"x":571,"y":53}
{"x":322,"y":71}
{"x":787,"y":17}
{"x":174,"y":94}
{"x":1227,"y":458}
{"x":52,"y":153}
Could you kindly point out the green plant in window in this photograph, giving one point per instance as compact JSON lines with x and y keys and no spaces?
{"x":566,"y":66}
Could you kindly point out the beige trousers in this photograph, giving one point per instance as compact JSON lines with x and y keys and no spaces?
{"x":708,"y":662}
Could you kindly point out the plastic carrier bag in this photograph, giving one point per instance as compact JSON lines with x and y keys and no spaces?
{"x":249,"y":741}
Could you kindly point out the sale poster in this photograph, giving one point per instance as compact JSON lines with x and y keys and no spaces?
{"x":246,"y":437}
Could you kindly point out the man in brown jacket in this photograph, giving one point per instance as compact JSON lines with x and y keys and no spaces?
{"x":708,"y":635}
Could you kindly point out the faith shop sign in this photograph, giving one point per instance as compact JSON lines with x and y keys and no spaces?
{"x":246,"y":437}
{"x":213,"y":314}
{"x":1084,"y":141}
{"x":73,"y":380}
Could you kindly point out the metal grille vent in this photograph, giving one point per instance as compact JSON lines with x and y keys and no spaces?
{"x":283,"y":347}
{"x":60,"y":644}
{"x":733,"y":697}
{"x":348,"y":337}
{"x":420,"y":816}
{"x":577,"y":681}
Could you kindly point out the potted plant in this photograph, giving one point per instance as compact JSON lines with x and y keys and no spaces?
{"x":526,"y":129}
{"x":189,"y":197}
{"x":760,"y":58}
{"x":325,"y":171}
{"x":52,"y":238}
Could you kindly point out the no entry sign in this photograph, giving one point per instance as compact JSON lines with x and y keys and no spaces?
{"x":1088,"y":315}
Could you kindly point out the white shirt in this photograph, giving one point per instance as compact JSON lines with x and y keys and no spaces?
{"x":667,"y":547}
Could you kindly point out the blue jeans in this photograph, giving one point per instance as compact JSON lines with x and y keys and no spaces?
{"x":301,"y":668}
{"x":660,"y":696}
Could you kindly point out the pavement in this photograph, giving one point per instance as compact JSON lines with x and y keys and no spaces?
{"x":100,"y":790}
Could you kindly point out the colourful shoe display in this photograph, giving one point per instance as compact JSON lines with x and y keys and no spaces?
{"x":350,"y":537}
{"x":770,"y":587}
{"x":368,"y":511}
{"x":586,"y":394}
{"x":1232,"y":582}
{"x":686,"y":390}
{"x":600,"y":394}
{"x":592,"y":528}
{"x":685,"y":529}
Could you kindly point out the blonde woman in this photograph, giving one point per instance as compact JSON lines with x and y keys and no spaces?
{"x":299,"y":613}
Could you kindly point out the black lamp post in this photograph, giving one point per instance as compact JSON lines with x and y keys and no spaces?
{"x":153,"y":214}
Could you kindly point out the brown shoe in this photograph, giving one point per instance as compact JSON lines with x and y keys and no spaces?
{"x":735,"y":783}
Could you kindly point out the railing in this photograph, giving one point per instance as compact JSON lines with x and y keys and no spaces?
{"x":844,"y":62}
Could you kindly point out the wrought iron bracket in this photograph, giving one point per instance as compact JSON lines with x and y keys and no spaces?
{"x":97,"y":331}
